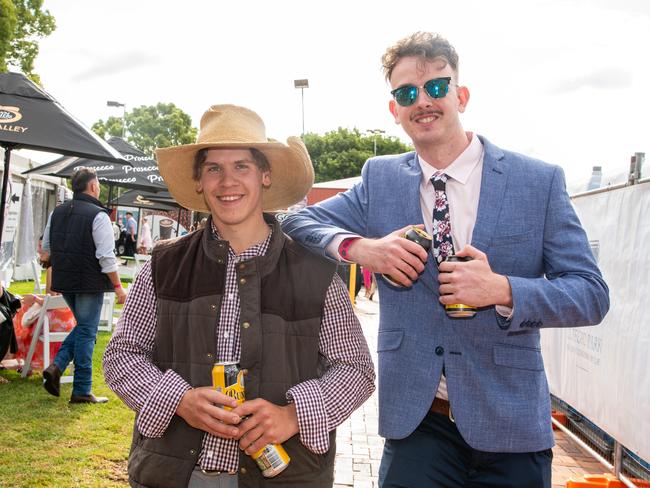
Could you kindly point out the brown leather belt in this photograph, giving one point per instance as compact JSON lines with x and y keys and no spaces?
{"x":442,"y":407}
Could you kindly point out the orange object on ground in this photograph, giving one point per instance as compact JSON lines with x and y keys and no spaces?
{"x":61,"y":320}
{"x":560,"y":417}
{"x":606,"y":480}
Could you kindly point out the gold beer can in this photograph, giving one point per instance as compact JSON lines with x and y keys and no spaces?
{"x":272,"y":460}
{"x":228,"y":378}
{"x":459,"y":310}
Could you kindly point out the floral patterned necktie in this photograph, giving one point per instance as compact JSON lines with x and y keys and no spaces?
{"x":443,"y":245}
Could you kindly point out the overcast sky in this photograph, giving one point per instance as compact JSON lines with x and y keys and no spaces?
{"x":567,"y":81}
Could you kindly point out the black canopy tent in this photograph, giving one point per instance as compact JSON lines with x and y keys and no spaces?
{"x":30,"y":118}
{"x":142,"y":199}
{"x":142,"y":174}
{"x":153,"y":201}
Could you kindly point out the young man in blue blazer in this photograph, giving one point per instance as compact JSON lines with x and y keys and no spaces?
{"x":462,"y":402}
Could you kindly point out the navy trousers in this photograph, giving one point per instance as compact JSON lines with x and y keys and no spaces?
{"x":436,"y":456}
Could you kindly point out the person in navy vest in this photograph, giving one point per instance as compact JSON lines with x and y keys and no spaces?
{"x":462,"y":401}
{"x":79,"y":240}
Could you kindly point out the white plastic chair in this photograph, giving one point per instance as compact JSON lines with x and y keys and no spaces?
{"x":42,"y":333}
{"x":36,"y":269}
{"x":126,"y":271}
{"x":106,"y":315}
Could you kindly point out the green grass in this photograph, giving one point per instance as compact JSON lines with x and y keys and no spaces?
{"x":24,"y":287}
{"x":46,"y":442}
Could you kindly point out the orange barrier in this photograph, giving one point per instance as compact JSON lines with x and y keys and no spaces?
{"x":602,"y":481}
{"x":560,"y":417}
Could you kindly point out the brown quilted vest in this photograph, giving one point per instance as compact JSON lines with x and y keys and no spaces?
{"x":282,"y":298}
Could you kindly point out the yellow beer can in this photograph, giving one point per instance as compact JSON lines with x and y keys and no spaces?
{"x":272,"y":460}
{"x":228,"y":378}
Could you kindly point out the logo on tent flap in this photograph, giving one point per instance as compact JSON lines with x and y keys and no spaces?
{"x":10,"y":114}
{"x":142,"y":201}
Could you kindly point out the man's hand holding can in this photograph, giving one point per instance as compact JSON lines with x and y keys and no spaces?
{"x":472,"y":281}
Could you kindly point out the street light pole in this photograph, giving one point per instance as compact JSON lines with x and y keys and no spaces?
{"x":374,"y":140}
{"x":112,"y":103}
{"x":302,"y":84}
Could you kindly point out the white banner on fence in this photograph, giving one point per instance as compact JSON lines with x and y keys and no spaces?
{"x":603,"y":371}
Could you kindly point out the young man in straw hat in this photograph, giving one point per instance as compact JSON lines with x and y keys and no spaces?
{"x":241,"y":291}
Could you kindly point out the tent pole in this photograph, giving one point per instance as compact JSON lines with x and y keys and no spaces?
{"x":5,"y":180}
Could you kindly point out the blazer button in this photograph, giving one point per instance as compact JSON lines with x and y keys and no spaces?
{"x":440,"y":351}
{"x":245,"y":325}
{"x":242,"y":281}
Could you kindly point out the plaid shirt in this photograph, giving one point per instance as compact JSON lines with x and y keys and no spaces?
{"x":321,"y":404}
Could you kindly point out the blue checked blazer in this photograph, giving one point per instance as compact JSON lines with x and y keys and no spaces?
{"x":495,"y":373}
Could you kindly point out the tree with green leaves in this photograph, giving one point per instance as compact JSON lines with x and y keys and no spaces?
{"x":341,"y":153}
{"x":22,"y":23}
{"x":151,"y":127}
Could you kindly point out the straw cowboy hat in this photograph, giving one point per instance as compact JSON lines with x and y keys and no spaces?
{"x":230,"y":126}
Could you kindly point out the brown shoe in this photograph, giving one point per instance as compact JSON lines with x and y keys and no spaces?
{"x":87,"y":399}
{"x":52,"y":380}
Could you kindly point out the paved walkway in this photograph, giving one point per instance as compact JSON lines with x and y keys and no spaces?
{"x":359,"y":447}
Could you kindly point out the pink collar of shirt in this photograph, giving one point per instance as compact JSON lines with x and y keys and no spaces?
{"x":461,"y":168}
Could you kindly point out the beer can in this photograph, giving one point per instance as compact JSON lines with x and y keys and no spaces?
{"x":419,"y":236}
{"x":459,"y":310}
{"x":272,"y":460}
{"x":228,"y":378}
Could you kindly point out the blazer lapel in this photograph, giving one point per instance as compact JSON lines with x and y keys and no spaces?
{"x":410,"y":176}
{"x":493,"y":185}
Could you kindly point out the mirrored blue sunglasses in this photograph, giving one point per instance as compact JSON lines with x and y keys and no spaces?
{"x":407,"y":95}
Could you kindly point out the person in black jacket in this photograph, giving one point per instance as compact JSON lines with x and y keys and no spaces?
{"x":79,"y":239}
{"x":9,"y":305}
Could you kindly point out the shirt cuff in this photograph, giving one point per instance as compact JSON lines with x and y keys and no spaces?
{"x":504,"y":311}
{"x":110,"y":269}
{"x":159,"y":409}
{"x":312,"y":417}
{"x":332,"y":248}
